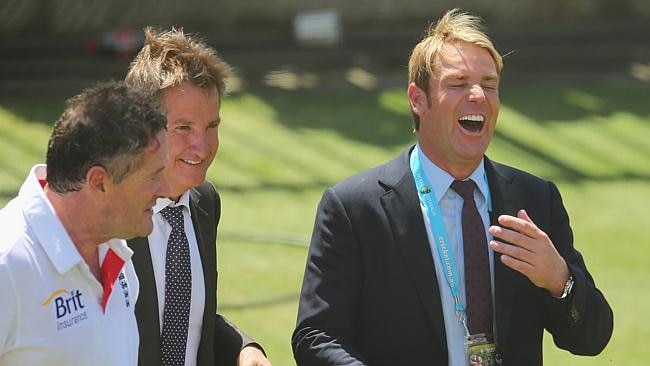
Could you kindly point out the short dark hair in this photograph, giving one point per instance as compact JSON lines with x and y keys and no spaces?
{"x":109,"y":125}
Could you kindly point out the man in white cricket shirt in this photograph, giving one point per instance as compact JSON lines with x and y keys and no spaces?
{"x":67,"y":286}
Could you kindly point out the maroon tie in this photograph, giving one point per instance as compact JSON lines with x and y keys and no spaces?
{"x":477,"y":268}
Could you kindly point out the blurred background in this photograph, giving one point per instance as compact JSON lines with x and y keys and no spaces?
{"x":319,"y":94}
{"x":54,"y":46}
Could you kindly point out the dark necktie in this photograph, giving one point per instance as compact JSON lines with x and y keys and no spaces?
{"x":178,"y":290}
{"x":477,"y":268}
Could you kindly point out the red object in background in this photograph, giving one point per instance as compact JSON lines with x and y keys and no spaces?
{"x":120,"y":43}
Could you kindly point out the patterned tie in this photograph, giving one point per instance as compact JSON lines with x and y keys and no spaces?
{"x":178,"y":290}
{"x":477,"y":268}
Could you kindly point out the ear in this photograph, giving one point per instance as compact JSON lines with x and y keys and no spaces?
{"x":97,"y":178}
{"x":417,"y":99}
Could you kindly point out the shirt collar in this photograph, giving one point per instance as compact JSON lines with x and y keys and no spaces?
{"x":164,"y":202}
{"x":118,"y":246}
{"x":441,"y":180}
{"x":43,"y":222}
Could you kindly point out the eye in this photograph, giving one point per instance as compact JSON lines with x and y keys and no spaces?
{"x":213,"y":125}
{"x":490,"y":87}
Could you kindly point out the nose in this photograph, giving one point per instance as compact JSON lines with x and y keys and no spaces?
{"x":205,"y":142}
{"x":476,"y":94}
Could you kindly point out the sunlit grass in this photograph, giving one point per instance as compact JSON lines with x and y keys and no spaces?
{"x":280,"y":149}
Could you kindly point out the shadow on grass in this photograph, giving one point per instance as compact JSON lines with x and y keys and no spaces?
{"x":547,"y":103}
{"x":357,"y":115}
{"x":6,"y":195}
{"x":360,"y":116}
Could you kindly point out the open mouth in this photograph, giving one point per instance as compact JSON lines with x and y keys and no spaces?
{"x":472,"y":122}
{"x":192,"y":162}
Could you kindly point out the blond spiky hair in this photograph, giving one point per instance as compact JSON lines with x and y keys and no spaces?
{"x":171,"y":57}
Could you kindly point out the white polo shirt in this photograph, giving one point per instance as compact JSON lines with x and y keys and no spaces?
{"x":51,"y":310}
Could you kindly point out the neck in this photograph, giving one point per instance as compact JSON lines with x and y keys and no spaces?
{"x":79,"y":224}
{"x":459,"y":169}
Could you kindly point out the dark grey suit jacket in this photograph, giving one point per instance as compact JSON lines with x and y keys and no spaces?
{"x":220,"y":341}
{"x":370,"y":294}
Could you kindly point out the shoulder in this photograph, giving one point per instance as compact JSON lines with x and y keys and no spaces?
{"x":515,"y":175}
{"x":16,"y":236}
{"x":523,"y":187}
{"x":365,"y":181}
{"x":357,"y":192}
{"x":205,"y":193}
{"x":206,"y":189}
{"x":21,"y":257}
{"x":375,"y":181}
{"x":206,"y":197}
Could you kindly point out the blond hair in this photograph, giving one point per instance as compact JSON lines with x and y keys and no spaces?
{"x":171,"y":57}
{"x":454,"y":26}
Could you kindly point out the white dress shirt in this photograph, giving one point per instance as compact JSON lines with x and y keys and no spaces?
{"x":158,"y":248}
{"x":451,"y":205}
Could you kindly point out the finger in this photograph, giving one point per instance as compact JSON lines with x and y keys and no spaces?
{"x":519,"y":224}
{"x":522,"y":214}
{"x":512,"y":237}
{"x":513,"y":251}
{"x":520,"y":266}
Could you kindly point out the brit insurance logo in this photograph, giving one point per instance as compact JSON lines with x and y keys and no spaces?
{"x":68,"y":306}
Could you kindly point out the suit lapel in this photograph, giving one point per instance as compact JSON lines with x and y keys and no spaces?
{"x":203,"y":222}
{"x":199,"y":219}
{"x":504,"y":202}
{"x":401,"y":204}
{"x":146,"y":308}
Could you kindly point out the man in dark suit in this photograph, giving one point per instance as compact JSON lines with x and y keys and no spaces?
{"x":392,"y":272}
{"x":176,"y":263}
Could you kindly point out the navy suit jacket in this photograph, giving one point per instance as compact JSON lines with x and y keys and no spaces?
{"x":370,"y":294}
{"x":221,"y":342}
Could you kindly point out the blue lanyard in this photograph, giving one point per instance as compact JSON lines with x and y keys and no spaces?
{"x":439,"y":232}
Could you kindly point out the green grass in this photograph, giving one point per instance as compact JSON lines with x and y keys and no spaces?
{"x":280,"y":149}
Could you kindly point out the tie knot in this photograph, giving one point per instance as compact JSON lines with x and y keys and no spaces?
{"x":173,"y":216}
{"x":465,"y":188}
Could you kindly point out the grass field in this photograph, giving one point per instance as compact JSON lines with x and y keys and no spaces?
{"x":280,"y":149}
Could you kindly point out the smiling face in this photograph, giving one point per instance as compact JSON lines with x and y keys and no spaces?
{"x":192,"y":135}
{"x":458,"y":118}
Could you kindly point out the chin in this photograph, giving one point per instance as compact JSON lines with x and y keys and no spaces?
{"x":146,"y":227}
{"x":193,"y":182}
{"x":145,"y":232}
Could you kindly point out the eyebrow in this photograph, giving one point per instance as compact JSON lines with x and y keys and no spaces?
{"x":190,"y":122}
{"x":491,"y":77}
{"x":460,"y":76}
{"x":181,"y":121}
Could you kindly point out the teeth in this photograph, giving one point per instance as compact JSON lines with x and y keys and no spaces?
{"x":472,"y":117}
{"x":192,"y":162}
